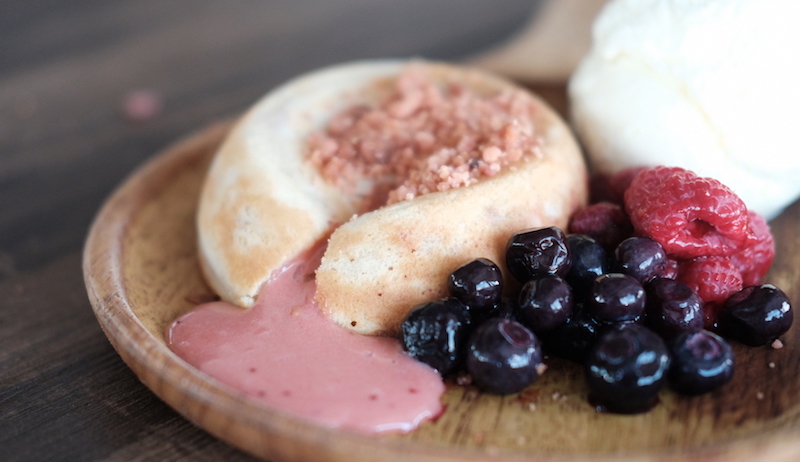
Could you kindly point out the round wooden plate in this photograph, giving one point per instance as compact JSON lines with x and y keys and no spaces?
{"x":141,"y":273}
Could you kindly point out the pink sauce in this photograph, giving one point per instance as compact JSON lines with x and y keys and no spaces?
{"x":286,"y":354}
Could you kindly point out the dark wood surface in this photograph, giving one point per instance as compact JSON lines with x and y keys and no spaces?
{"x":65,"y":143}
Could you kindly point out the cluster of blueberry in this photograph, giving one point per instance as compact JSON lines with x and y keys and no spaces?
{"x":632,"y":329}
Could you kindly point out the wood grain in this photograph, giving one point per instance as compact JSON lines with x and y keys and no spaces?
{"x":141,"y":273}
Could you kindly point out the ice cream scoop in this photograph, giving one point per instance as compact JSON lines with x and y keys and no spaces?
{"x":708,"y":85}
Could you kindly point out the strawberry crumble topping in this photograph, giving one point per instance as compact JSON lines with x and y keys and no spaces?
{"x":425,"y":137}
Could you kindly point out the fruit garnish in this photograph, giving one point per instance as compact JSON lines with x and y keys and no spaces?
{"x":701,"y":361}
{"x":690,"y":216}
{"x":626,"y":369}
{"x":504,"y":357}
{"x":685,"y":262}
{"x":672,"y":308}
{"x":756,"y":315}
{"x":537,"y":252}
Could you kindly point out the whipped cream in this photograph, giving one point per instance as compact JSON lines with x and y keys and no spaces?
{"x":709,"y":85}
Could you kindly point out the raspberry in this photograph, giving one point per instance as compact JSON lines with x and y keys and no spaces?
{"x":599,"y":188}
{"x":713,"y":278}
{"x":604,"y":187}
{"x":754,"y":260}
{"x":605,"y":222}
{"x":689,"y":216}
{"x":620,"y":182}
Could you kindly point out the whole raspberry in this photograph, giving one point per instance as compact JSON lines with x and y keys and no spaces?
{"x":605,"y":222}
{"x":754,"y":259}
{"x":713,"y":278}
{"x":688,"y":215}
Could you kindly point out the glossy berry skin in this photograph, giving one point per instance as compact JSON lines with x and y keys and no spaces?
{"x":503,"y":357}
{"x":756,"y":315}
{"x":436,"y":334}
{"x":478,"y":284}
{"x":589,"y":260}
{"x":626,"y":369}
{"x":545,"y":303}
{"x":574,"y":338}
{"x":537,"y":252}
{"x":688,"y":215}
{"x":672,"y":308}
{"x":641,"y":257}
{"x":616,"y":298}
{"x":701,"y":361}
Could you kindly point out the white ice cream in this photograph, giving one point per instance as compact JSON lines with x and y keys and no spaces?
{"x":712,"y":86}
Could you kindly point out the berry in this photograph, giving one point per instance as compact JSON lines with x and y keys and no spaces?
{"x":672,"y":308}
{"x":574,"y":338}
{"x":688,"y":215}
{"x":545,"y":303}
{"x":756,"y":315}
{"x":671,"y":270}
{"x":478,"y":284}
{"x":507,"y":308}
{"x":536,"y":252}
{"x":712,"y":278}
{"x":599,"y":188}
{"x":615,"y":298}
{"x":619,"y":182}
{"x":435,"y":333}
{"x":626,"y":369}
{"x":641,"y":257}
{"x":753,"y":260}
{"x":504,"y":356}
{"x":701,"y":362}
{"x":605,"y":222}
{"x":589,"y":260}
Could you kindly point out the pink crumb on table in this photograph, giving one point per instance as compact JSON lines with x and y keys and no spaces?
{"x":142,"y":105}
{"x":425,"y":137}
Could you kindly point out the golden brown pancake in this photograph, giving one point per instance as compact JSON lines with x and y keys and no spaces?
{"x":264,"y":204}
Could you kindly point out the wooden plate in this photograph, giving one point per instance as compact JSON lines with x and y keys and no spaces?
{"x":141,"y":273}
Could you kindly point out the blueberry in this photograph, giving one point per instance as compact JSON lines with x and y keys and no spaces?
{"x":503,"y":356}
{"x":589,"y":260}
{"x":701,"y":362}
{"x":478,"y":284}
{"x":641,"y":257}
{"x":756,"y":315}
{"x":615,"y":298}
{"x":672,"y":307}
{"x":537,"y":252}
{"x":626,"y":369}
{"x":574,"y":338}
{"x":436,"y":333}
{"x":508,"y":308}
{"x":545,"y":303}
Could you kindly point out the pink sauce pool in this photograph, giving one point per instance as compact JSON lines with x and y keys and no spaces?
{"x":286,"y":354}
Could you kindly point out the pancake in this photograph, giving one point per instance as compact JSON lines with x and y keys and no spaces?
{"x":263,"y":203}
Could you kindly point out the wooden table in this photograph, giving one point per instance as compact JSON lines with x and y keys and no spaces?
{"x":66,"y":140}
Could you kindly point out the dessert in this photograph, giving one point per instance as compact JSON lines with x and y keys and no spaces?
{"x":339,"y":195}
{"x":705,"y":85}
{"x":264,"y":201}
